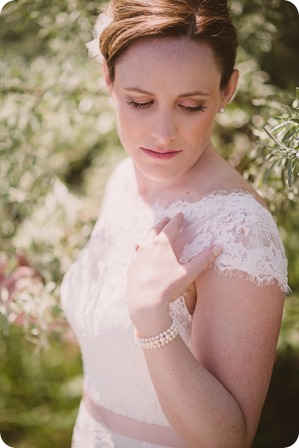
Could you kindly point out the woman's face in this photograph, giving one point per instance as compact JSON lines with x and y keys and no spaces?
{"x":166,"y":94}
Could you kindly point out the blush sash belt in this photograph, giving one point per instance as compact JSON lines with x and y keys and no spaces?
{"x":133,"y":429}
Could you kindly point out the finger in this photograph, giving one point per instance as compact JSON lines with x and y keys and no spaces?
{"x":172,"y":228}
{"x":203,"y":260}
{"x":159,"y":227}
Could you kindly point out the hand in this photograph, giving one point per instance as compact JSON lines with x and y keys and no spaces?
{"x":156,"y":277}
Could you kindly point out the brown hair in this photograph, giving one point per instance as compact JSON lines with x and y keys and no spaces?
{"x":201,"y":20}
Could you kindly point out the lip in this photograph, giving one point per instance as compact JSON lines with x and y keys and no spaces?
{"x":161,"y":155}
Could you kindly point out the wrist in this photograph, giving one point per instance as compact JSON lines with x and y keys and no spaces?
{"x":157,"y":340}
{"x":151,"y":322}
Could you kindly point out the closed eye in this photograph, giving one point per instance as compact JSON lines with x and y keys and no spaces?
{"x":145,"y":105}
{"x":200,"y":108}
{"x":136,"y":105}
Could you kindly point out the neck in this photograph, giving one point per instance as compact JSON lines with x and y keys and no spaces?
{"x":192,"y":182}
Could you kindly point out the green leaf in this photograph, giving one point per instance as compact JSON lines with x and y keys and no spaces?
{"x":271,"y":136}
{"x":264,"y":145}
{"x":270,"y":169}
{"x":278,"y":127}
{"x":295,"y":164}
{"x":290,"y":173}
{"x":290,"y":133}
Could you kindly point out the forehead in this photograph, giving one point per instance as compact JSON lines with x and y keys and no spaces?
{"x":168,"y":59}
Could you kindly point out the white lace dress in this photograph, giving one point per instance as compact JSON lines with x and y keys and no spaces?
{"x":92,"y":293}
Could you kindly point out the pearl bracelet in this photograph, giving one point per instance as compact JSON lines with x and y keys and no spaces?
{"x":160,"y":339}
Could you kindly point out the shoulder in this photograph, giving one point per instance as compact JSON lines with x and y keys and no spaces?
{"x":240,"y":217}
{"x":238,"y":214}
{"x":229,"y":213}
{"x":233,"y":199}
{"x":252,"y":247}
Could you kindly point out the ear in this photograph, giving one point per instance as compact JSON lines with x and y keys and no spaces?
{"x":108,"y":81}
{"x":230,"y":88}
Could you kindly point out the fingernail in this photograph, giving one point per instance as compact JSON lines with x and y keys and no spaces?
{"x":217,"y":250}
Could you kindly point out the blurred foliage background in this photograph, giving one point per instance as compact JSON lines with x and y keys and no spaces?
{"x":58,"y":146}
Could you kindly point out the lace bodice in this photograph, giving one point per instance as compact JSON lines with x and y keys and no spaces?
{"x":115,"y":372}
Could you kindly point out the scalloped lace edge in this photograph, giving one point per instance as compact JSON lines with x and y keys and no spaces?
{"x":253,"y":279}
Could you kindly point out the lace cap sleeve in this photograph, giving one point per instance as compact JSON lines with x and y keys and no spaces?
{"x":248,"y":234}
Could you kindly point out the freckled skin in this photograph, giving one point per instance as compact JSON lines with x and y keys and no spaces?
{"x":166,"y":94}
{"x":170,"y":117}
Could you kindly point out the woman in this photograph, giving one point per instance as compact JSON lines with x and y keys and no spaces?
{"x":177,"y":298}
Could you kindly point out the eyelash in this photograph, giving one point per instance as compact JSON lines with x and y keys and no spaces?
{"x":194,"y":109}
{"x":136,"y":105}
{"x":139,"y":105}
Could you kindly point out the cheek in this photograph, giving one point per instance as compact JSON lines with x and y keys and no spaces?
{"x":127,"y":128}
{"x":122,"y":120}
{"x":207,"y":121}
{"x":130,"y":124}
{"x":201,"y":127}
{"x":123,"y":115}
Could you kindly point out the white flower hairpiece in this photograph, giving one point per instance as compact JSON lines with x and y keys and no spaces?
{"x":94,"y":52}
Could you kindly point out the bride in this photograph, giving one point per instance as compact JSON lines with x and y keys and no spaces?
{"x":177,"y":298}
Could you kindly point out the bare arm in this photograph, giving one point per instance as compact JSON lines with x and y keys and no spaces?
{"x":213,"y":396}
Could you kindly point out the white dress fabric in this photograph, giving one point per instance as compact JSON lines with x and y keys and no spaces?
{"x":92,"y":292}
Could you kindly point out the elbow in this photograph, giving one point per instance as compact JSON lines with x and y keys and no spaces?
{"x":219,"y":436}
{"x":219,"y":442}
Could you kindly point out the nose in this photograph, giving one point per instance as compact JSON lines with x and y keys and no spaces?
{"x":163,"y":128}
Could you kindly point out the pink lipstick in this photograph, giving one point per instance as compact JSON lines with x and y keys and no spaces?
{"x":165,"y":155}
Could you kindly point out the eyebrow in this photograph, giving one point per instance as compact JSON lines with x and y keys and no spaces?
{"x":184,"y":95}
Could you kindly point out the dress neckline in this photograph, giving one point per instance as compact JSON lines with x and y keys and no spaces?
{"x":163,"y":204}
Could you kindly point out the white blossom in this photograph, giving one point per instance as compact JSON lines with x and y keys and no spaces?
{"x":93,"y":46}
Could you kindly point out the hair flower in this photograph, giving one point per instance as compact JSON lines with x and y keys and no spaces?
{"x":94,"y":52}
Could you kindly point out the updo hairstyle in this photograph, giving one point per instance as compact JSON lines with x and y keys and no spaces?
{"x":205,"y":21}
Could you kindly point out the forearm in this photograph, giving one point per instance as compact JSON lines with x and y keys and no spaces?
{"x":197,"y":405}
